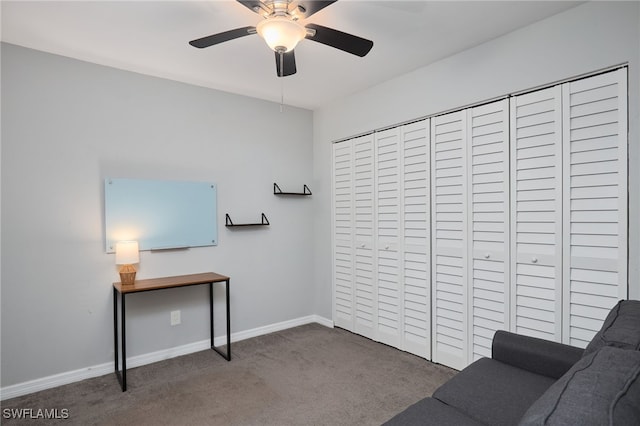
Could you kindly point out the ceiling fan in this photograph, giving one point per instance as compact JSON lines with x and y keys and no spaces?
{"x":282,"y":31}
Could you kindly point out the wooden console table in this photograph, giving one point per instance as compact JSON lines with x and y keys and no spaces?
{"x":161,"y":284}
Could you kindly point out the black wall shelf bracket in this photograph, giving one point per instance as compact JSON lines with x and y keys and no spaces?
{"x":278,"y":191}
{"x":229,"y":223}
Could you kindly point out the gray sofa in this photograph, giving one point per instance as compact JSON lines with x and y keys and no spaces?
{"x":529,"y":381}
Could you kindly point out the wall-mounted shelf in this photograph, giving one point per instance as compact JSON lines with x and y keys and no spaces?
{"x":229,"y":223}
{"x":278,"y":191}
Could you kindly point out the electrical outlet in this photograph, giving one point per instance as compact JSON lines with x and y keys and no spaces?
{"x":175,"y":317}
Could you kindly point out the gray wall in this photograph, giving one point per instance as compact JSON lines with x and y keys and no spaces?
{"x":581,"y":40}
{"x":66,"y":125}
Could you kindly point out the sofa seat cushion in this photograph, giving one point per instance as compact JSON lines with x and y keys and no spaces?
{"x":430,"y":411}
{"x":493,"y":392}
{"x":621,"y":328}
{"x":603,"y":388}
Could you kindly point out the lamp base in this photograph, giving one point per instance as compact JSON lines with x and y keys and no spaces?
{"x":127,"y":275}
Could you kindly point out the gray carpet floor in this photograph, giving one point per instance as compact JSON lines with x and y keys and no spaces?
{"x":308,"y":375}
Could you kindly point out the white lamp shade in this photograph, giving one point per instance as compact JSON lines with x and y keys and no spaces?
{"x":281,"y":33}
{"x":127,"y":253}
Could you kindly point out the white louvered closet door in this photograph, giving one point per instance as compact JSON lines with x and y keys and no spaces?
{"x":449,"y":239}
{"x":488,"y":165}
{"x":365,"y":292}
{"x":416,"y":257}
{"x":343,"y":235}
{"x":536,"y":209}
{"x":595,"y":202}
{"x":387,"y":195}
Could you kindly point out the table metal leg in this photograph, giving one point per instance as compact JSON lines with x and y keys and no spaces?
{"x":124,"y":347}
{"x":227,"y":355}
{"x":228,"y":322}
{"x":116,"y":349}
{"x":211,"y":311}
{"x":121,"y":375}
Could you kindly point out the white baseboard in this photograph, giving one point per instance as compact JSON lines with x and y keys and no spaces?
{"x":242,"y":335}
{"x":60,"y":379}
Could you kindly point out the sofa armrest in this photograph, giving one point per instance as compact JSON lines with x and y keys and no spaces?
{"x":539,"y":356}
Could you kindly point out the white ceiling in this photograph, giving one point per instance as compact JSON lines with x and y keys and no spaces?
{"x":151,"y":37}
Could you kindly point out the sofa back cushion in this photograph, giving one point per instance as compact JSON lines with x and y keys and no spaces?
{"x":621,"y":328}
{"x":603,"y":388}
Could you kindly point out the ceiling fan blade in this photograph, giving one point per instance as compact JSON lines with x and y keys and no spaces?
{"x":288,"y":65}
{"x":349,"y":43}
{"x":222,"y":37}
{"x":311,"y":7}
{"x":251,"y":4}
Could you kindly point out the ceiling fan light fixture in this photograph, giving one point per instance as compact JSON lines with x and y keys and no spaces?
{"x":280,"y":33}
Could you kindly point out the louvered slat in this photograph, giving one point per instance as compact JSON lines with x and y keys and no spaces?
{"x":449,"y":228}
{"x":488,"y":162}
{"x":536,"y":213}
{"x":595,"y":202}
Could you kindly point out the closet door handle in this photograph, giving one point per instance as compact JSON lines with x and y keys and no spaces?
{"x":362,"y":245}
{"x":534,"y":260}
{"x":386,"y":247}
{"x":487,"y":255}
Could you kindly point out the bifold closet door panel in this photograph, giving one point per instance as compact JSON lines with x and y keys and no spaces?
{"x":595,"y":202}
{"x":343,"y":235}
{"x":488,"y":165}
{"x":449,"y":239}
{"x":536,"y":209}
{"x":416,"y":271}
{"x":363,"y":185}
{"x":387,"y":211}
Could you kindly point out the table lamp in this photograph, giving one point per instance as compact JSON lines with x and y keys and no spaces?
{"x":126,"y":255}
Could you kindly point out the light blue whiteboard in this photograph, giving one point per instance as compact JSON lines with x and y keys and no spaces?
{"x":160,"y":214}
